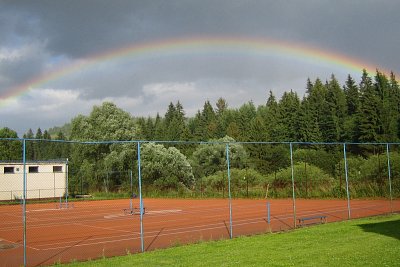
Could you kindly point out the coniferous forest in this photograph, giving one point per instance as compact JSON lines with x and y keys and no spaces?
{"x":364,"y":111}
{"x":356,"y":111}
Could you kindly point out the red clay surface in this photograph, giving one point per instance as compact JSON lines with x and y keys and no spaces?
{"x":93,"y":229}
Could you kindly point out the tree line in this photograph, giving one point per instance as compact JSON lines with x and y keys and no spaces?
{"x":367,"y":111}
{"x":364,"y":112}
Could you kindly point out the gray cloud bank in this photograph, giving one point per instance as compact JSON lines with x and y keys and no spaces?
{"x":39,"y":36}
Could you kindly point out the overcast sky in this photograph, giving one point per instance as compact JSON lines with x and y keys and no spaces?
{"x":40,"y":37}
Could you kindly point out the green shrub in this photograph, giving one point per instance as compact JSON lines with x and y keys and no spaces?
{"x":310,"y":181}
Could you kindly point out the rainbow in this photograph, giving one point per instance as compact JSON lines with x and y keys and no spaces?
{"x":195,"y":45}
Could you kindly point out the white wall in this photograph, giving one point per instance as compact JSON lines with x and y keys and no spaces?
{"x":44,"y":184}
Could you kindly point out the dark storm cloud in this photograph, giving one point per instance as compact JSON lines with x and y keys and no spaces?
{"x":38,"y":36}
{"x":80,"y":28}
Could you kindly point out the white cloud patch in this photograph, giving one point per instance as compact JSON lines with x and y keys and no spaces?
{"x":157,"y":89}
{"x":192,"y":95}
{"x":21,"y":52}
{"x":49,"y":107}
{"x":44,"y":101}
{"x":126,"y":103}
{"x":9,"y":54}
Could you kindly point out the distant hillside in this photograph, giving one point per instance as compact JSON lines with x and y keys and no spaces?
{"x":65,"y":129}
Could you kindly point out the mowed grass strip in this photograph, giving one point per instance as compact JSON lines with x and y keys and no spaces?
{"x":364,"y":242}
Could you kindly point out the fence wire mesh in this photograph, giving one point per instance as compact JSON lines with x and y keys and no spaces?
{"x":63,"y":201}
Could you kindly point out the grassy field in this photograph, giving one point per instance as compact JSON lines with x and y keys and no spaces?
{"x":365,"y":242}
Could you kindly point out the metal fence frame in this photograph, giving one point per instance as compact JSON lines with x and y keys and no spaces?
{"x":227,"y":144}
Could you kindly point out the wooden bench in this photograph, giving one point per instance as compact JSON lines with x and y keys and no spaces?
{"x":321,"y":218}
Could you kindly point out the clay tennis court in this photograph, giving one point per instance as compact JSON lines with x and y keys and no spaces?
{"x":93,"y":229}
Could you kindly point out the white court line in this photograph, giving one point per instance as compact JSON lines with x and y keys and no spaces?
{"x":183,"y":231}
{"x":162,"y":211}
{"x":176,"y":231}
{"x":146,"y":213}
{"x":39,"y":210}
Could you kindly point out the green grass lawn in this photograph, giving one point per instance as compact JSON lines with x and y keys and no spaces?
{"x":365,"y":242}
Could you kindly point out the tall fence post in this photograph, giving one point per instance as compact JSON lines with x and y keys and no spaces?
{"x":140,"y":198}
{"x":24,"y":199}
{"x":229,"y":191}
{"x":293,"y":187}
{"x":66,"y":187}
{"x":390,"y":178}
{"x":347,"y":182}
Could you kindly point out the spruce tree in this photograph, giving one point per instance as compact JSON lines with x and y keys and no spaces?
{"x":308,"y":124}
{"x":395,"y":96}
{"x":150,"y":129}
{"x":221,"y":108}
{"x":336,"y":109}
{"x":289,"y":107}
{"x":272,"y":118}
{"x":246,"y":114}
{"x":367,"y":117}
{"x":158,"y":128}
{"x":29,"y":145}
{"x":352,"y":94}
{"x":387,"y":114}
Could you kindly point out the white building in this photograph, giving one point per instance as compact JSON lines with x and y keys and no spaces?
{"x":44,"y":179}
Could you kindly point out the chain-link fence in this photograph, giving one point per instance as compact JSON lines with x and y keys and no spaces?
{"x":64,"y":201}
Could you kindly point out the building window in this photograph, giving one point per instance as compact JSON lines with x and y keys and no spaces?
{"x":34,"y":169}
{"x":8,"y":169}
{"x":57,"y":168}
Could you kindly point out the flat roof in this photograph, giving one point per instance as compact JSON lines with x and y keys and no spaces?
{"x":20,"y":162}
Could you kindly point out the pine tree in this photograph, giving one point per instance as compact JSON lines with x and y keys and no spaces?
{"x":336,"y":109}
{"x":272,"y":118}
{"x":60,"y":150}
{"x":158,"y":128}
{"x":175,"y":123}
{"x":169,"y":115}
{"x":29,"y":145}
{"x":38,"y":145}
{"x":395,"y":96}
{"x":150,"y":129}
{"x":352,"y":94}
{"x":246,"y":114}
{"x":367,"y":117}
{"x":312,"y":112}
{"x":206,"y":125}
{"x":141,"y":124}
{"x":221,"y":108}
{"x":289,"y":107}
{"x":10,"y":150}
{"x":308,"y":124}
{"x":221,"y":105}
{"x":39,"y":134}
{"x":196,"y":128}
{"x":387,"y":114}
